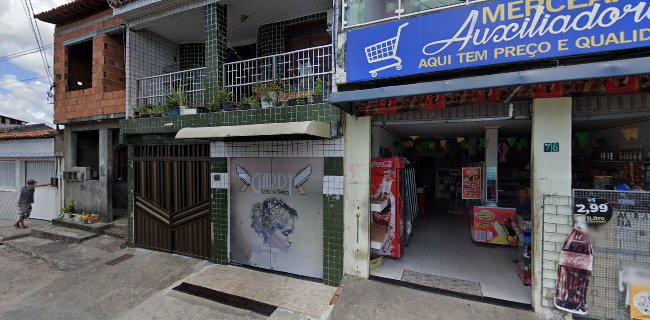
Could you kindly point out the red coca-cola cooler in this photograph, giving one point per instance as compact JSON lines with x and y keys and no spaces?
{"x":387,"y":225}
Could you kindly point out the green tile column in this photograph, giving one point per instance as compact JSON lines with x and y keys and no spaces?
{"x":216,"y":44}
{"x":130,"y":198}
{"x":219,"y":207}
{"x":333,"y":226}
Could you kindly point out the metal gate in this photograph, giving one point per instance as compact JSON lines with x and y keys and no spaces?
{"x":619,"y":246}
{"x":172,"y":199}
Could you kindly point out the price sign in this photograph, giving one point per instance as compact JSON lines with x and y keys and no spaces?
{"x":596,"y":211}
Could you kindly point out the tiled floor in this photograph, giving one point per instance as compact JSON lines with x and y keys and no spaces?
{"x":441,"y":245}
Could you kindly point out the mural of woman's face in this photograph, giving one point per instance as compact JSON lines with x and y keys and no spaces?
{"x":282,"y":234}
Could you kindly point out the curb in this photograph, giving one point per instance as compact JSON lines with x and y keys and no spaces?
{"x":59,"y":264}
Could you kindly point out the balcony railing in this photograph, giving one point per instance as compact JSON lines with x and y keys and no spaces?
{"x":154,"y":89}
{"x":300,"y":73}
{"x":303,"y":74}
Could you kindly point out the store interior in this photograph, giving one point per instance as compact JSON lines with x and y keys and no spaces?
{"x":611,"y":154}
{"x":443,"y":244}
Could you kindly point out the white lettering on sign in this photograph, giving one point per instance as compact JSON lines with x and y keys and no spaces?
{"x":382,"y":164}
{"x":576,"y":260}
{"x":538,"y":25}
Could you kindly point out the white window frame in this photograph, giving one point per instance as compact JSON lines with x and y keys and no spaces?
{"x":43,"y":181}
{"x":15,"y":175}
{"x":399,"y":15}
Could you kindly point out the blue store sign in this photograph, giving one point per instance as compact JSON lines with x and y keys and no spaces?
{"x":496,"y":32}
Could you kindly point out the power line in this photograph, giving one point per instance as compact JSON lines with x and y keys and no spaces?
{"x":34,"y":27}
{"x":23,"y":80}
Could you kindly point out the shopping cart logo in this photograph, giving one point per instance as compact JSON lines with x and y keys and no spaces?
{"x":385,"y":50}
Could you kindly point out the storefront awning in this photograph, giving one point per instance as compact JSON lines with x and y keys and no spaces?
{"x":309,"y":129}
{"x":616,"y":68}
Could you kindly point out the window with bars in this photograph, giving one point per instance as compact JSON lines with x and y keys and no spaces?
{"x":7,"y":174}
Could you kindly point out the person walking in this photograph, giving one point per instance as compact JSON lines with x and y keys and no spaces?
{"x":25,"y":202}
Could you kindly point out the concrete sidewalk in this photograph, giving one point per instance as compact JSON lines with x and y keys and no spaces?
{"x":101,"y":291}
{"x":8,"y":232}
{"x":367,"y":299}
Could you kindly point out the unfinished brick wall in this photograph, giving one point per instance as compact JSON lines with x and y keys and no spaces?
{"x":107,"y":94}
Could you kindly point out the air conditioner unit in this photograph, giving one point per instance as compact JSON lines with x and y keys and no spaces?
{"x":77,"y":174}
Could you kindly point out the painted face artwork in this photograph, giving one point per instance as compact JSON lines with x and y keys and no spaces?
{"x":275,"y":222}
{"x":281,"y":237}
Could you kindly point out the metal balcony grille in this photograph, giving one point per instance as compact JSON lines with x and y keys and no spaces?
{"x":299,"y":72}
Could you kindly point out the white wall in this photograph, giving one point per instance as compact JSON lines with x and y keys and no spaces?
{"x":382,"y":138}
{"x":552,"y":122}
{"x":356,"y":213}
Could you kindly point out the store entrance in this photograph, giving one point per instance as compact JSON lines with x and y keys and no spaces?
{"x":451,"y":208}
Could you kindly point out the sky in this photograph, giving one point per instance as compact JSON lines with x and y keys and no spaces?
{"x":25,"y":101}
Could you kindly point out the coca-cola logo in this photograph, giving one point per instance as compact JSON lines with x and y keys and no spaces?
{"x":382,"y":164}
{"x":471,"y":172}
{"x":576,"y":260}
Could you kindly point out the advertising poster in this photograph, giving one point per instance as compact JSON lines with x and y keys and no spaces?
{"x":472,"y":183}
{"x":494,"y":226}
{"x":640,"y":302}
{"x":276,"y":219}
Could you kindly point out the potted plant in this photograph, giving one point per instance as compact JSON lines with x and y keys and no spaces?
{"x":268,"y":93}
{"x":143,"y":111}
{"x":317,"y":96}
{"x":250,"y":103}
{"x":68,"y":210}
{"x":176,"y":102}
{"x":302,"y":99}
{"x":221,"y":100}
{"x":162,"y":110}
{"x":289,"y":99}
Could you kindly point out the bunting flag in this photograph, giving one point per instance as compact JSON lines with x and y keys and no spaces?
{"x":482,"y":143}
{"x":583,"y":138}
{"x":432,"y":145}
{"x":419,"y":148}
{"x":631,"y":133}
{"x":522,"y":143}
{"x":503,"y":150}
{"x":511,"y":142}
{"x":407,"y":144}
{"x":460,"y":139}
{"x":463,"y":144}
{"x":443,"y":145}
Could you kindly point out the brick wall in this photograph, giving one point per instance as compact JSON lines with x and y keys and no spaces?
{"x":107,"y":94}
{"x":558,"y":223}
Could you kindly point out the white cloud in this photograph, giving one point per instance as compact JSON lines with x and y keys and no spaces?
{"x":16,"y":34}
{"x":26,"y":101}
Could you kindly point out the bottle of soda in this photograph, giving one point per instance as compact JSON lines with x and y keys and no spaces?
{"x":576,"y":264}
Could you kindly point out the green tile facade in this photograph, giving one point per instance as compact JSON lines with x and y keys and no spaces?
{"x":270,"y":37}
{"x":191,"y":55}
{"x":130,"y":196}
{"x":314,"y":112}
{"x":216,"y":45}
{"x":333,"y":228}
{"x":219,"y":207}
